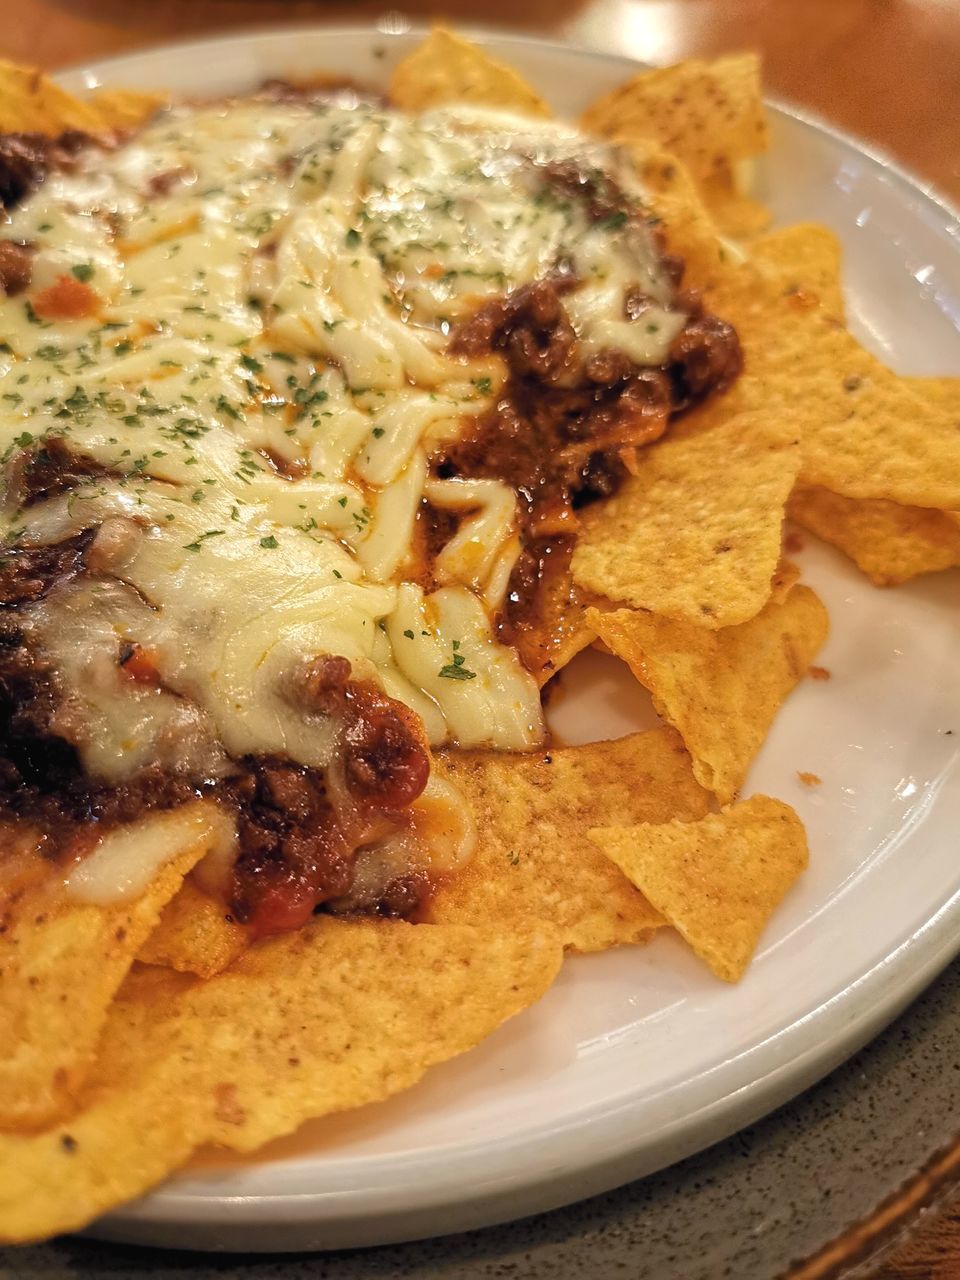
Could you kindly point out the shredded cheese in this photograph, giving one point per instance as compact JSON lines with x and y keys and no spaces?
{"x":263,"y":382}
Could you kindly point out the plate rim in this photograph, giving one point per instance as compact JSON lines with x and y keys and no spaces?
{"x":806,"y":1050}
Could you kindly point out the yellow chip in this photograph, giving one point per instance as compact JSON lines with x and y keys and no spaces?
{"x":688,"y":227}
{"x":807,"y":260}
{"x":695,"y":534}
{"x":944,"y":392}
{"x":783,"y":581}
{"x":195,"y":934}
{"x":447,"y":68}
{"x":708,"y":114}
{"x":718,"y":880}
{"x":864,"y":431}
{"x":62,"y":960}
{"x":737,"y":215}
{"x":719,"y":689}
{"x":889,"y":543}
{"x":32,"y":102}
{"x":335,"y":1016}
{"x":125,"y":108}
{"x":534,"y":861}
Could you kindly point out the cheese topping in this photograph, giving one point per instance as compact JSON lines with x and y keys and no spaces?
{"x":242,"y":318}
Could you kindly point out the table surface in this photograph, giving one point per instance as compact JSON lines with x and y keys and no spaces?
{"x":844,"y":59}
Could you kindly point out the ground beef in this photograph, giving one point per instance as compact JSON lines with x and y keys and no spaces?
{"x":295,"y":854}
{"x":50,"y":470}
{"x":26,"y":158}
{"x":559,"y":433}
{"x":704,"y":357}
{"x":16,"y":265}
{"x":29,"y":573}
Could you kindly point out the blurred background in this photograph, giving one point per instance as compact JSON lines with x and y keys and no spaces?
{"x":888,"y":70}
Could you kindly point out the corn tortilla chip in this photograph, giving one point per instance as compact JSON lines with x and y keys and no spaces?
{"x":782,"y":583}
{"x":944,"y":392}
{"x":889,"y":543}
{"x":534,"y":861}
{"x":447,"y":68}
{"x":736,"y":215}
{"x":695,"y":534}
{"x":554,"y":630}
{"x":125,"y":108}
{"x":31,"y":102}
{"x":675,"y":201}
{"x":62,"y":960}
{"x":194,"y":934}
{"x":335,"y":1016}
{"x":864,"y":431}
{"x":717,"y":880}
{"x":708,"y":114}
{"x":719,"y":689}
{"x":807,"y":260}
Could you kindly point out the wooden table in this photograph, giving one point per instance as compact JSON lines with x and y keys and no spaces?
{"x":842,"y":58}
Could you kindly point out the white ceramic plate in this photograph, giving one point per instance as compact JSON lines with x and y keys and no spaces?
{"x":638,"y":1057}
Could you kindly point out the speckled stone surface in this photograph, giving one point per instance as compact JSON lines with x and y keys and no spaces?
{"x":745,"y":1209}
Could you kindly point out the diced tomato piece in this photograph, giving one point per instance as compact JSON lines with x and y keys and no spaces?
{"x":67,"y":299}
{"x":140,"y":665}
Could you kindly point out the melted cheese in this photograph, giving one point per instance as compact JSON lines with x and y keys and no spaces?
{"x":264,"y":380}
{"x":127,"y":859}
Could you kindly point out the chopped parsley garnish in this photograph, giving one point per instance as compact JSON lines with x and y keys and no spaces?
{"x":83,"y":271}
{"x":614,"y":222}
{"x":250,"y":363}
{"x":378,"y":432}
{"x":224,"y":405}
{"x":210,"y":533}
{"x":482,"y":385}
{"x":269,"y":542}
{"x":457,"y":670}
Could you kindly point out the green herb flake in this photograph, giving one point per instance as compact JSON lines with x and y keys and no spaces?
{"x":457,"y":669}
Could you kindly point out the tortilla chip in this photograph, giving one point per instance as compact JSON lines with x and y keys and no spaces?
{"x":695,"y":534}
{"x":807,"y":260}
{"x":62,"y":960}
{"x":737,"y":215}
{"x":125,"y":108}
{"x":553,"y":630}
{"x":708,"y":114}
{"x":447,"y":68}
{"x":195,"y":934}
{"x":332,"y":1017}
{"x":889,"y":543}
{"x":673,"y":197}
{"x":717,"y":880}
{"x":864,"y":431}
{"x":534,"y":861}
{"x":782,"y":583}
{"x":32,"y":102}
{"x":944,"y":392}
{"x":719,"y":689}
